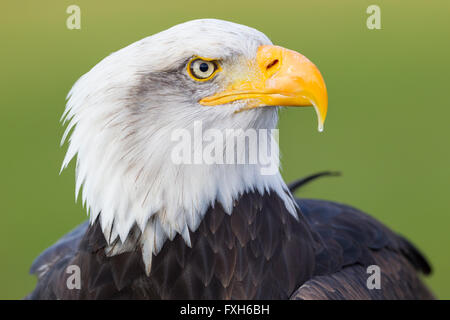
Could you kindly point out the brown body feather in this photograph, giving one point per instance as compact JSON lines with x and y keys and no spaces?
{"x":260,"y":251}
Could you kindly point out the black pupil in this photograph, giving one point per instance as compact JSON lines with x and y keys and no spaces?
{"x":204,"y":67}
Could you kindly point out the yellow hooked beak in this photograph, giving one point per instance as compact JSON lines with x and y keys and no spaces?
{"x":281,"y":77}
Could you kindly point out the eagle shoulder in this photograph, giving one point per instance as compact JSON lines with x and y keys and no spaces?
{"x":398,"y":280}
{"x":67,"y":245}
{"x":349,"y":241}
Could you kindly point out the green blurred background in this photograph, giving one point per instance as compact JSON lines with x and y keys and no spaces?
{"x":387,"y":128}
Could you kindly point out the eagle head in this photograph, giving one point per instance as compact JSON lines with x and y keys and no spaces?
{"x":123,"y":113}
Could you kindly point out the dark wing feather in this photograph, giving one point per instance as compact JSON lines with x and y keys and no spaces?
{"x":399,"y":280}
{"x":349,"y":242}
{"x":66,"y":246}
{"x":53,"y":259}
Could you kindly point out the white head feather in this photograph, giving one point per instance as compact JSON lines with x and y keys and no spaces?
{"x":121,"y":115}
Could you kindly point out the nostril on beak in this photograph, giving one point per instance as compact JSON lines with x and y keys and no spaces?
{"x":272,"y":64}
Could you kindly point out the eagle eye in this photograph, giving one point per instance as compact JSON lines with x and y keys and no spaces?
{"x":201,"y":69}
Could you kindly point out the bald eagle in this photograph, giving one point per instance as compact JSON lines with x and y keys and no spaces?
{"x":162,"y":229}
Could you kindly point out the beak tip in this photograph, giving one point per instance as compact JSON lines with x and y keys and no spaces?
{"x":320,"y":117}
{"x":320,"y":126}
